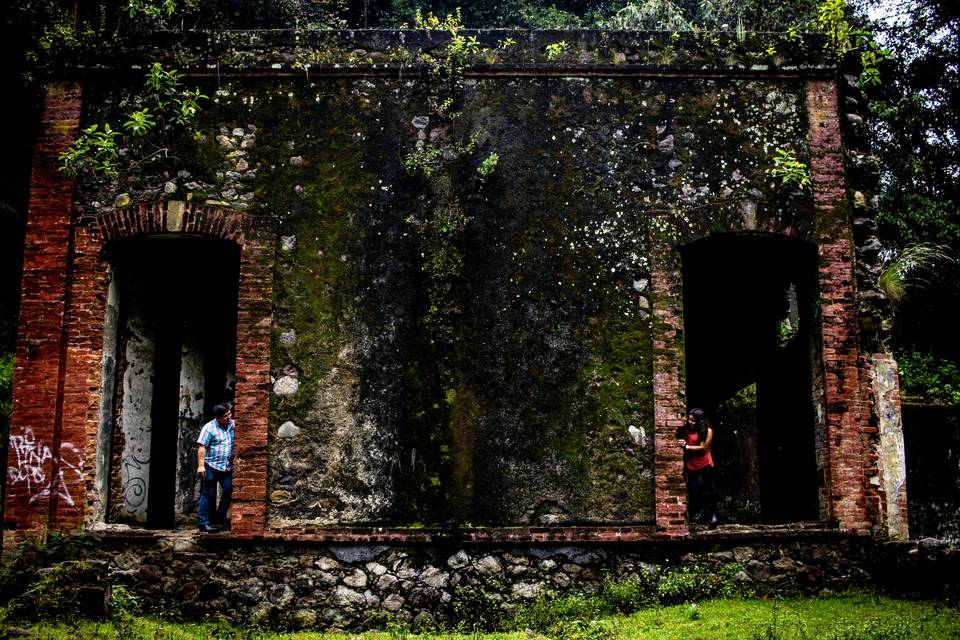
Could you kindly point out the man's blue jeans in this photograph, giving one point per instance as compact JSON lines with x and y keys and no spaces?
{"x":208,"y":496}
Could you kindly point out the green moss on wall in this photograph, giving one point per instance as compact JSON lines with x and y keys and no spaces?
{"x":518,"y":390}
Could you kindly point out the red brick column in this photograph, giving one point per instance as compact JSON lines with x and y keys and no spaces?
{"x":669,"y":405}
{"x":254,"y":320}
{"x":845,"y":414}
{"x":82,"y":383}
{"x":34,"y":456}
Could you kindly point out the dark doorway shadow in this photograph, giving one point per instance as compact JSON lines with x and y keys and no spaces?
{"x":749,"y":323}
{"x":171,"y":329}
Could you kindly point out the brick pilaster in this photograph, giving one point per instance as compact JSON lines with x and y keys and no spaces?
{"x":83,"y":384}
{"x":669,"y":405}
{"x":254,"y":319}
{"x":33,"y":487}
{"x":845,"y":417}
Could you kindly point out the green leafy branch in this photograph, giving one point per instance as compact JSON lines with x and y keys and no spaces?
{"x":150,"y":10}
{"x":557,"y":50}
{"x":843,"y":38}
{"x":488,"y":166}
{"x":165,"y":110}
{"x":459,"y":49}
{"x":790,"y":171}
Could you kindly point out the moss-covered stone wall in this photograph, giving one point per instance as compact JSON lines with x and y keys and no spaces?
{"x":530,"y":399}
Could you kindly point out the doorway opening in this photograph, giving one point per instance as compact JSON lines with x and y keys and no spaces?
{"x":750,"y":310}
{"x":170,"y":352}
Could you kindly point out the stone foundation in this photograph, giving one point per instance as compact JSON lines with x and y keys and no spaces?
{"x":308,"y":585}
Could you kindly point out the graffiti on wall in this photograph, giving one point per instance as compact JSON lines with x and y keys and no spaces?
{"x":29,"y":468}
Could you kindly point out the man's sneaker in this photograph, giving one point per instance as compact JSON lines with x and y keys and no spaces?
{"x":206,"y":528}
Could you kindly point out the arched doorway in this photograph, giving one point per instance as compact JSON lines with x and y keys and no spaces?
{"x":170,"y":354}
{"x":751,"y":345}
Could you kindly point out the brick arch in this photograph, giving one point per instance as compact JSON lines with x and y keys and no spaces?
{"x":174,"y":217}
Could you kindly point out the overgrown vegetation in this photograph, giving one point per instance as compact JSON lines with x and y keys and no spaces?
{"x":48,"y":577}
{"x":580,"y":615}
{"x":163,"y":113}
{"x":928,"y":378}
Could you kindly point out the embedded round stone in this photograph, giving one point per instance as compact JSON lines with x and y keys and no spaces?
{"x":286,"y":386}
{"x":288,"y":430}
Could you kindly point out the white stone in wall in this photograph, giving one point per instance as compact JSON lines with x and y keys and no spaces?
{"x":357,"y":579}
{"x":286,"y":386}
{"x":489,"y":565}
{"x":288,"y":430}
{"x":459,"y":560}
{"x":345,"y":596}
{"x":393,"y":602}
{"x":526,"y":590}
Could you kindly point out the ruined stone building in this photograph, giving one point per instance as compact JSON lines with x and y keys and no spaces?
{"x":473,"y":325}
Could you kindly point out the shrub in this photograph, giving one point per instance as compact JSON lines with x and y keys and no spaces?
{"x":929,"y":378}
{"x":475,"y":610}
{"x":693,"y":584}
{"x":550,"y":613}
{"x":632,"y":594}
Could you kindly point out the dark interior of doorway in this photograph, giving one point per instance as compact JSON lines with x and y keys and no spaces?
{"x":183,"y":290}
{"x":749,"y":322}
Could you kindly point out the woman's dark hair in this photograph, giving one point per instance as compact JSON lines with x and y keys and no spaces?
{"x":702,"y":423}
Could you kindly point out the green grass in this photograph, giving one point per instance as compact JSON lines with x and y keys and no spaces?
{"x":848,"y":617}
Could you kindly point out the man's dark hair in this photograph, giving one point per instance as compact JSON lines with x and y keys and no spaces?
{"x":221,"y":410}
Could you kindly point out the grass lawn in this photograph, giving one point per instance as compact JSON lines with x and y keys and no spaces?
{"x":848,"y":617}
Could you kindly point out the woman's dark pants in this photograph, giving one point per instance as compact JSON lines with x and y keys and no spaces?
{"x":702,"y":493}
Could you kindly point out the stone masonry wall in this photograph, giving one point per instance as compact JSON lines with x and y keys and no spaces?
{"x":354,"y":586}
{"x":549,"y":392}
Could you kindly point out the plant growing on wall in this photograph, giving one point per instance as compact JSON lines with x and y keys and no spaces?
{"x":844,"y":38}
{"x":445,"y":162}
{"x":166,"y":110}
{"x":913,"y":268}
{"x":790,"y":171}
{"x":441,"y":225}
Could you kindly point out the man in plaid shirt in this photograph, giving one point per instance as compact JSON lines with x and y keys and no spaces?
{"x":215,"y":466}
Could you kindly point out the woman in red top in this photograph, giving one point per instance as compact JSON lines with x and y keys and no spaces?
{"x":696,"y":439}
